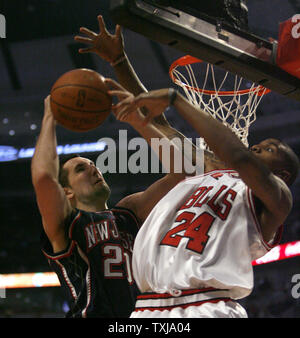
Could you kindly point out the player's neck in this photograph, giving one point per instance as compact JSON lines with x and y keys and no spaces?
{"x":92,"y":207}
{"x":212,"y":163}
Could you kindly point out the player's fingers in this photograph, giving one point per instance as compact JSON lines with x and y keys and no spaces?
{"x":119,"y":93}
{"x":118,"y":111}
{"x":47,"y":100}
{"x":88,"y":32}
{"x":101,"y":24}
{"x":123,"y":106}
{"x":118,"y":31}
{"x":113,"y":84}
{"x":47,"y":106}
{"x":123,"y":114}
{"x":124,"y":117}
{"x":127,"y":103}
{"x":83,"y":39}
{"x":85,"y":50}
{"x":140,"y":101}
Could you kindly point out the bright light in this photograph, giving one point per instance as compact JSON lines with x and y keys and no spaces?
{"x":280,"y":252}
{"x":8,"y":153}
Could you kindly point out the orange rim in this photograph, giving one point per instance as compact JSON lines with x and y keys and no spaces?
{"x":188,"y":60}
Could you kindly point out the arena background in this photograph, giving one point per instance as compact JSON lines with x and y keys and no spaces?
{"x":39,"y":47}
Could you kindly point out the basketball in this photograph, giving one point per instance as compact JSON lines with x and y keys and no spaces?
{"x":79,"y":100}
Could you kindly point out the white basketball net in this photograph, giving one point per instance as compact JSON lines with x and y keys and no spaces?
{"x":235,"y":108}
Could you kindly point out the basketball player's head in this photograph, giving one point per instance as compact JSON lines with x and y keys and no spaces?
{"x":82,"y":181}
{"x":279,"y":157}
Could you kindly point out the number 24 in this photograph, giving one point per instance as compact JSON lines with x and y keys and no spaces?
{"x":196,"y":230}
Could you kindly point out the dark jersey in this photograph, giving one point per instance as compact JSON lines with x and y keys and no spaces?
{"x":95,"y":269}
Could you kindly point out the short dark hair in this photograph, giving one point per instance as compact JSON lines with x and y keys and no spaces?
{"x":63,"y":173}
{"x":291,"y":163}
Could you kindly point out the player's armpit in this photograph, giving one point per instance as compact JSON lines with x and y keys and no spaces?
{"x":270,"y":190}
{"x":57,"y":238}
{"x":275,"y":209}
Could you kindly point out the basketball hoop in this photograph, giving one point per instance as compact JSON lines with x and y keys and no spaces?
{"x":234,"y":108}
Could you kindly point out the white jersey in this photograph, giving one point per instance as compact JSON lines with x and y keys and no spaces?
{"x":203,"y":234}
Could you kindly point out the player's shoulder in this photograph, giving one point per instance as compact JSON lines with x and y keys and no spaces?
{"x":125,"y":209}
{"x":129,"y":202}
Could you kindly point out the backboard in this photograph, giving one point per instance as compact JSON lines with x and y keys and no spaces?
{"x":233,"y":49}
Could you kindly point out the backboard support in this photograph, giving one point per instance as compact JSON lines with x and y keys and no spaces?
{"x":213,"y":41}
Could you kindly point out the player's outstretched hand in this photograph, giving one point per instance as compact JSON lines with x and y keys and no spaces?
{"x":155,"y":102}
{"x":125,"y":98}
{"x":109,"y":47}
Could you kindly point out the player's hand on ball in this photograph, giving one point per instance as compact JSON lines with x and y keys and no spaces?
{"x":124,"y":110}
{"x":155,"y":103}
{"x":108,"y":46}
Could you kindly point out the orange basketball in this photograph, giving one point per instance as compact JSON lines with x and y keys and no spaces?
{"x":79,"y":100}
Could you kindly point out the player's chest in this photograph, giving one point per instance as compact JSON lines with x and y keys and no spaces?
{"x":102,"y":230}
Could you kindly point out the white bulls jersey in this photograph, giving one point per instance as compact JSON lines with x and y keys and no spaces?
{"x":203,"y":234}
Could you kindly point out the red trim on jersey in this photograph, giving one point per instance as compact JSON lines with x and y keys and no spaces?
{"x":77,"y":217}
{"x":277,"y":237}
{"x":67,"y":280}
{"x":88,"y":282}
{"x":183,"y":293}
{"x":224,"y":171}
{"x":66,"y":253}
{"x":183,"y":306}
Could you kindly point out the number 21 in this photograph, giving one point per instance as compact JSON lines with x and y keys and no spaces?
{"x":113,"y":261}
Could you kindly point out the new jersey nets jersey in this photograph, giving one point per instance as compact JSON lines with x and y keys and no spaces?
{"x":203,"y":233}
{"x":95,"y":269}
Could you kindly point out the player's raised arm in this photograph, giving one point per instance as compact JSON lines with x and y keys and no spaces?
{"x":154,"y":130}
{"x":143,"y":202}
{"x":52,"y":202}
{"x":268,"y":188}
{"x":110,"y":47}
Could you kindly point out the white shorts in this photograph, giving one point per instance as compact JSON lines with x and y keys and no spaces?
{"x":204,"y":303}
